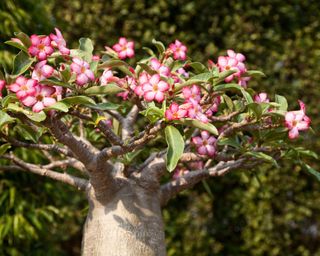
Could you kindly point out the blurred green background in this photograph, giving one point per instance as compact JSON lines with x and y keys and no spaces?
{"x":271,"y":212}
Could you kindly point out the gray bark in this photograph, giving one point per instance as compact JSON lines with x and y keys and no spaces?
{"x":127,"y":223}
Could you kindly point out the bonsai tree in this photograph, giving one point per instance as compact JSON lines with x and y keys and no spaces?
{"x":132,"y":136}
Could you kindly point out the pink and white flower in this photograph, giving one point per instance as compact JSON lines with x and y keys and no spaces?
{"x":182,"y":72}
{"x":175,"y":112}
{"x":59,"y":42}
{"x":108,"y":77}
{"x":261,"y":97}
{"x":179,"y":50}
{"x":155,"y":89}
{"x":195,"y":112}
{"x":42,"y":71}
{"x":179,"y":171}
{"x":192,"y":93}
{"x":297,"y":121}
{"x":23,"y":87}
{"x":124,"y":48}
{"x":82,"y":69}
{"x":205,"y":144}
{"x":43,"y":97}
{"x":160,"y":68}
{"x":238,"y":56}
{"x":40,"y":47}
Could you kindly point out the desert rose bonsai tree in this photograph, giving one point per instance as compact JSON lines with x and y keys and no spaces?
{"x":134,"y":136}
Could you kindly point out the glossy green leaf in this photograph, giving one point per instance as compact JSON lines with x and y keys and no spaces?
{"x":311,"y":171}
{"x":108,"y":89}
{"x":160,"y":46}
{"x":17,"y":45}
{"x":104,"y":106}
{"x":5,"y":119}
{"x":8,"y":99}
{"x":4,"y":148}
{"x":25,"y":39}
{"x":282,"y":101}
{"x":78,"y":100}
{"x":198,"y":124}
{"x":262,"y":156}
{"x":54,"y":81}
{"x":87,"y":47}
{"x":60,"y":106}
{"x":37,"y":117}
{"x":112,"y":63}
{"x":21,"y":63}
{"x":175,"y":146}
{"x":254,"y":73}
{"x":147,"y":68}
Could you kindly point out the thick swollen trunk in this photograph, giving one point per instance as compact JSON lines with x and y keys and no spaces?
{"x":129,"y":223}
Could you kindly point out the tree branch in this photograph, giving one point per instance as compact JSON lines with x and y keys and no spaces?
{"x":188,"y":180}
{"x":77,"y":182}
{"x":128,"y":122}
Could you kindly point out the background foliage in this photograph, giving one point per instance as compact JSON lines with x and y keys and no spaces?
{"x":265,"y":212}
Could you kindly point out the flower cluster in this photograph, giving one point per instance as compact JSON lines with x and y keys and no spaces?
{"x":32,"y":94}
{"x":43,"y":46}
{"x":124,"y":48}
{"x":205,"y":144}
{"x":235,"y":62}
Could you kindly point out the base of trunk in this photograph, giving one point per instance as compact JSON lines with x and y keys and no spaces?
{"x":129,"y":224}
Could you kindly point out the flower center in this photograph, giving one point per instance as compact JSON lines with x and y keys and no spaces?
{"x":83,"y":69}
{"x":205,"y":142}
{"x":41,"y":47}
{"x":24,"y":87}
{"x":155,"y":87}
{"x":227,"y":67}
{"x":39,"y":97}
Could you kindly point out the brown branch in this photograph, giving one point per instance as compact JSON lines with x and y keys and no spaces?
{"x":128,"y":123}
{"x":77,"y":182}
{"x":81,"y":150}
{"x":226,"y":117}
{"x":188,"y":180}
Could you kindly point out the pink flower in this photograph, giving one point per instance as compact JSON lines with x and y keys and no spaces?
{"x":82,"y":70}
{"x":143,"y":79}
{"x":108,"y":77}
{"x":40,"y":47}
{"x":154,"y":89}
{"x":124,"y":48}
{"x":206,"y":144}
{"x":238,"y":56}
{"x":226,"y":64}
{"x":192,"y":93}
{"x":195,"y":112}
{"x":261,"y":97}
{"x":2,"y":85}
{"x":234,"y":61}
{"x":214,"y":106}
{"x":160,"y":68}
{"x":23,"y":87}
{"x":42,"y":71}
{"x":59,"y":42}
{"x":297,"y":121}
{"x":179,"y":50}
{"x":182,"y":72}
{"x":95,"y":58}
{"x":43,"y":97}
{"x":175,"y":112}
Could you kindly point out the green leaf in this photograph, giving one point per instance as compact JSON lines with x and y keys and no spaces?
{"x":60,"y":106}
{"x":178,"y":87}
{"x":21,"y":63}
{"x":230,"y":142}
{"x":175,"y":146}
{"x":305,"y":152}
{"x":204,"y":77}
{"x":311,"y":171}
{"x":112,"y":63}
{"x":4,"y":148}
{"x":228,"y":101}
{"x":17,"y":45}
{"x":108,"y":89}
{"x":223,"y":75}
{"x":28,"y":133}
{"x":282,"y":101}
{"x":87,"y":47}
{"x":5,"y":119}
{"x":104,"y":106}
{"x":37,"y":117}
{"x":263,"y":156}
{"x":198,"y":67}
{"x":54,"y":81}
{"x":256,"y":109}
{"x":160,"y":46}
{"x":25,"y":39}
{"x":8,"y":99}
{"x":78,"y":100}
{"x":223,"y":87}
{"x":254,"y":73}
{"x":153,"y":113}
{"x":198,"y":124}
